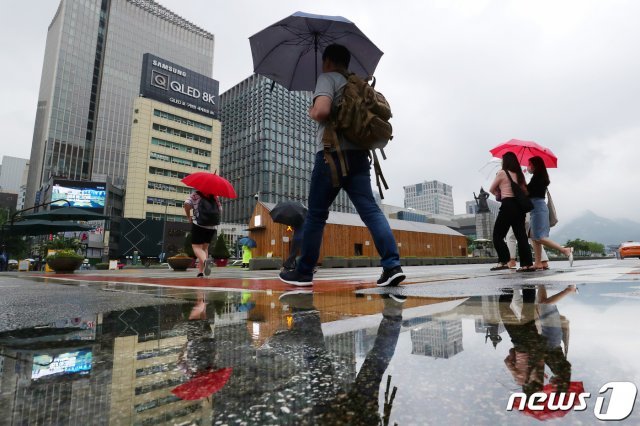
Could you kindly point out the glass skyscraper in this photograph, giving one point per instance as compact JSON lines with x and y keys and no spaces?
{"x":268,"y":147}
{"x":90,"y":78}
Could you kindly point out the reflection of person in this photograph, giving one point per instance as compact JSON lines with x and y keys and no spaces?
{"x":246,"y":256}
{"x":534,"y":348}
{"x":510,"y":215}
{"x":201,"y":235}
{"x":198,"y":354}
{"x":359,"y":404}
{"x":357,"y":182}
{"x":537,"y":187}
{"x":4,"y":261}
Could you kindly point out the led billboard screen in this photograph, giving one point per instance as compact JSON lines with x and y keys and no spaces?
{"x":85,"y":195}
{"x":45,"y":365}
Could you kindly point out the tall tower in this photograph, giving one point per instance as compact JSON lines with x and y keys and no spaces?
{"x":430,"y":196}
{"x":90,"y":79}
{"x":268,"y":146}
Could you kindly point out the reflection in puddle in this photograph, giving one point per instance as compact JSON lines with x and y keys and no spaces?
{"x":323,"y":358}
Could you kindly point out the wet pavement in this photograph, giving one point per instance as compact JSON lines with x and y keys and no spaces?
{"x":450,"y":347}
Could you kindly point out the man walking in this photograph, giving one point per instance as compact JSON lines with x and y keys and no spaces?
{"x":357,"y":183}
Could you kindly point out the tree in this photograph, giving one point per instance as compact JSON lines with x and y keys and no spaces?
{"x":585,"y":248}
{"x":220,"y":250}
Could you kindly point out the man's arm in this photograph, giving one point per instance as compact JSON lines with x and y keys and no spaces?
{"x":320,"y":109}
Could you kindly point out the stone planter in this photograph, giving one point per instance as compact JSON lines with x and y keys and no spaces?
{"x":412,"y":261}
{"x":221,"y":263}
{"x":259,"y":263}
{"x":179,"y":263}
{"x":359,"y":262}
{"x":64,"y":265}
{"x":335,"y":262}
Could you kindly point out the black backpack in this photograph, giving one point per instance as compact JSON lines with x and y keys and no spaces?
{"x":208,"y":211}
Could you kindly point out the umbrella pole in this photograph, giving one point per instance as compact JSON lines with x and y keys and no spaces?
{"x":315,"y":45}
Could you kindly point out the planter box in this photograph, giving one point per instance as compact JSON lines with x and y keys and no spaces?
{"x":376,"y":262}
{"x":257,"y":264}
{"x":179,"y":263}
{"x":64,"y":265}
{"x":335,"y":262}
{"x":359,"y":262}
{"x":412,"y":261}
{"x":425,"y":261}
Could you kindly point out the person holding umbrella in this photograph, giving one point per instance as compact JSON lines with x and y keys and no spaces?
{"x":537,"y":188}
{"x":203,"y":226}
{"x":357,"y":183}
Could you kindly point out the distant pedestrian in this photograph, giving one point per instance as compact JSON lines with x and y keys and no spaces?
{"x":537,"y":188}
{"x":4,"y":261}
{"x":510,"y":215}
{"x":203,"y":228}
{"x":357,"y":182}
{"x":246,"y":256}
{"x":294,"y":249}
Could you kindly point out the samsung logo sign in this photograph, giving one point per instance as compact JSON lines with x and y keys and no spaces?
{"x":166,"y":82}
{"x":169,"y":68}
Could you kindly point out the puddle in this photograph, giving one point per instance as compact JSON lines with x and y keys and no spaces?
{"x":369,"y":357}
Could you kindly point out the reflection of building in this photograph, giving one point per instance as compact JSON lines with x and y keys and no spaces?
{"x":90,"y":79}
{"x":268,"y":146}
{"x":430,"y":196}
{"x":437,"y":337}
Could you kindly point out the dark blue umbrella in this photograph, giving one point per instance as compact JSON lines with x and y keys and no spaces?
{"x":290,"y":51}
{"x":247,"y":241}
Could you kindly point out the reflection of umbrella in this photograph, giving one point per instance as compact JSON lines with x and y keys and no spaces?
{"x":290,"y":213}
{"x":247,"y":241}
{"x":42,"y":227}
{"x":210,"y":184}
{"x":575,"y":388}
{"x":524,"y":150}
{"x":66,"y":213}
{"x":290,"y":51}
{"x":203,"y":385}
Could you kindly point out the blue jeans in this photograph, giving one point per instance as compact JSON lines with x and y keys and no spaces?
{"x":357,"y":184}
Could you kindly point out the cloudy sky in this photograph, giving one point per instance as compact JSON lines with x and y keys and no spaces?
{"x":461,"y":77}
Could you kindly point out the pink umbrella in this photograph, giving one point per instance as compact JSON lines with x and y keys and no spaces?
{"x":524,"y":150}
{"x":210,"y":184}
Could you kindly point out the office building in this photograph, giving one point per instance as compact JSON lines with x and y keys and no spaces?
{"x":430,"y":196}
{"x":90,"y":79}
{"x":268,"y":146}
{"x":11,"y":173}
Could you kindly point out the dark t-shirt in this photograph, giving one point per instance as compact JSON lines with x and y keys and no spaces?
{"x":537,"y":187}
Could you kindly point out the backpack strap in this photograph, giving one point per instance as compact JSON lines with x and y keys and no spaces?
{"x":378,"y":172}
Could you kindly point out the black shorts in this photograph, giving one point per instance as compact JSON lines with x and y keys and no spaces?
{"x":200,"y":235}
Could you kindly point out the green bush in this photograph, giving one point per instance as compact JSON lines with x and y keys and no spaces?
{"x":220,"y":250}
{"x":65,"y":253}
{"x":102,"y":266}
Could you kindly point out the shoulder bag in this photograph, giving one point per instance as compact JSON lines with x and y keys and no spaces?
{"x":553,"y":218}
{"x":525,"y":204}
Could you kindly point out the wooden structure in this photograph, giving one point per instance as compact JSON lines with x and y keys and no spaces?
{"x":346,"y":235}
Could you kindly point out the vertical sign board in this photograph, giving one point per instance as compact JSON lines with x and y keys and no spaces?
{"x":176,"y":85}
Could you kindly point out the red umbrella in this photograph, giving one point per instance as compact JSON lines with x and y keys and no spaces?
{"x":210,"y":184}
{"x":575,"y":388}
{"x":203,"y":385}
{"x":524,"y":150}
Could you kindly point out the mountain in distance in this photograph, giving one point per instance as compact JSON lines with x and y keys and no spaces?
{"x":591,"y":227}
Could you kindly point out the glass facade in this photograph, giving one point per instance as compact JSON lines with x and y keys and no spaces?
{"x":90,"y":78}
{"x":430,"y":196}
{"x":268,"y":146}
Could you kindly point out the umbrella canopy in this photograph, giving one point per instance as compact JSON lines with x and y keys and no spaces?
{"x":290,"y":51}
{"x":203,"y":385}
{"x":210,"y":184}
{"x":524,"y":150}
{"x":290,"y":213}
{"x":247,"y":241}
{"x":575,"y":388}
{"x":66,"y":213}
{"x":43,"y":227}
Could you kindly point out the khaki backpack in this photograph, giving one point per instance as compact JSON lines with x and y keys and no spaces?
{"x":362,"y":117}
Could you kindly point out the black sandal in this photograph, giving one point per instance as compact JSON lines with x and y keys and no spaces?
{"x":500,"y":267}
{"x":526,"y":269}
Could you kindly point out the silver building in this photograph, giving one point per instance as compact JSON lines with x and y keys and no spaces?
{"x":268,"y":147}
{"x":90,"y":77}
{"x":430,"y":196}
